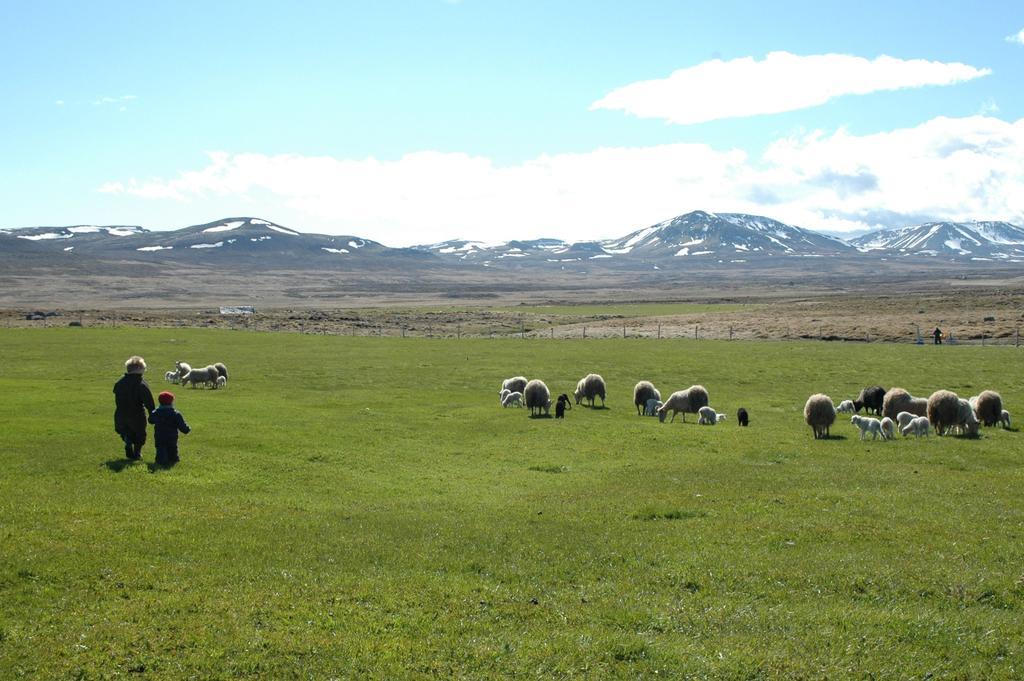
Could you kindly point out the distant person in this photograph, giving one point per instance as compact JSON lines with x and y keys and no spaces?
{"x":167,"y":421}
{"x":133,"y":402}
{"x":937,"y":335}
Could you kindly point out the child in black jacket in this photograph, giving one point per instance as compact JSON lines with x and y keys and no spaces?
{"x":167,"y":421}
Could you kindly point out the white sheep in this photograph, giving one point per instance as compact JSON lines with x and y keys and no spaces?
{"x":917,"y":425}
{"x":516,"y":384}
{"x":903,"y":418}
{"x":206,"y":375}
{"x":589,"y":387}
{"x":888,"y":429}
{"x":505,"y":392}
{"x":183,"y":369}
{"x":537,"y":397}
{"x":709,"y":417}
{"x":689,"y":400}
{"x":1004,"y":418}
{"x":171,"y":376}
{"x":652,"y":406}
{"x":512,"y":400}
{"x":868,"y":424}
{"x":845,"y":407}
{"x":221,"y":382}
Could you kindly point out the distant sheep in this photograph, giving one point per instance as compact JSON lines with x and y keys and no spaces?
{"x":819,"y":414}
{"x":221,"y":369}
{"x":537,"y":397}
{"x":888,"y":428}
{"x":918,"y":425}
{"x":742,"y":417}
{"x":898,"y":399}
{"x":505,"y":392}
{"x":221,"y":382}
{"x":512,"y":400}
{"x":652,"y":406}
{"x":183,"y":369}
{"x":561,"y":406}
{"x":845,"y":407}
{"x":589,"y":387}
{"x":946,"y":412}
{"x":206,"y":376}
{"x":868,"y":424}
{"x":989,"y":408}
{"x":516,"y":384}
{"x":687,"y":401}
{"x":643,"y":393}
{"x":1004,"y":419}
{"x":903,"y":418}
{"x":870,"y":399}
{"x":171,"y":376}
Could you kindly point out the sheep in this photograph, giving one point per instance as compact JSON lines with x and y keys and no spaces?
{"x":947,"y":411}
{"x":183,"y":368}
{"x":505,"y":392}
{"x":742,"y":417}
{"x":644,"y":392}
{"x":897,"y":400}
{"x":708,"y":416}
{"x":845,"y":407}
{"x":684,"y":401}
{"x":565,"y":399}
{"x":589,"y":387}
{"x":537,"y":397}
{"x":870,"y":399}
{"x":1004,"y":419}
{"x":196,"y":376}
{"x":989,"y":408}
{"x":512,"y":400}
{"x":221,"y":369}
{"x":221,"y":382}
{"x":561,"y":406}
{"x":868,"y":424}
{"x":652,"y":406}
{"x":903,"y":418}
{"x":819,"y":414}
{"x":516,"y":384}
{"x":171,"y":376}
{"x":888,"y":428}
{"x":918,"y":425}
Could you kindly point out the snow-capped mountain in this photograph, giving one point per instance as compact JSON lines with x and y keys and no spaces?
{"x":951,"y":240}
{"x":480,"y":252}
{"x":723,"y":235}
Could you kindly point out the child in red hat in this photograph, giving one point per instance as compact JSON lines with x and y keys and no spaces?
{"x":167,"y":421}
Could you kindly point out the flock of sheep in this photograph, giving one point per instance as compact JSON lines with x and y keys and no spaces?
{"x":535,"y":395}
{"x":214,"y":375}
{"x":944,"y":411}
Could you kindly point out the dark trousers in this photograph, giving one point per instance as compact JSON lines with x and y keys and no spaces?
{"x":167,"y":454}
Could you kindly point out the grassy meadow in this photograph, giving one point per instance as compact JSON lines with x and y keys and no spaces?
{"x":362,"y":507}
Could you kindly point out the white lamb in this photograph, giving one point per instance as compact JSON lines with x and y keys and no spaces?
{"x":505,"y":392}
{"x":171,"y":376}
{"x":903,"y":418}
{"x":652,"y":406}
{"x":888,"y":429}
{"x":1004,"y":419}
{"x":868,"y":424}
{"x":512,"y":400}
{"x":707,"y":416}
{"x":846,"y":407}
{"x":221,"y":382}
{"x":918,"y":426}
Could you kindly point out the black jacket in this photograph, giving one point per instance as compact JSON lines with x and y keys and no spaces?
{"x":132,"y":403}
{"x":167,"y":421}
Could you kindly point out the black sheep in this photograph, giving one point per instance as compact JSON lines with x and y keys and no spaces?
{"x":742,"y":417}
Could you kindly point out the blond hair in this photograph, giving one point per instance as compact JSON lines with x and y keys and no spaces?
{"x":135,"y":365}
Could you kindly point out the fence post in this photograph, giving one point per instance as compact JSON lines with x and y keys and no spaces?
{"x":584,"y":332}
{"x":522,"y":328}
{"x":623,"y":330}
{"x":403,"y":332}
{"x":459,"y":332}
{"x":1017,"y":341}
{"x":730,"y":333}
{"x":695,"y":327}
{"x":659,"y":331}
{"x":552,"y":333}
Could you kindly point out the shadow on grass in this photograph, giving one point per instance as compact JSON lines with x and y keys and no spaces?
{"x":157,"y":467}
{"x":118,"y":465}
{"x":834,"y":437}
{"x":667,"y":514}
{"x":549,"y":469}
{"x":541,"y":416}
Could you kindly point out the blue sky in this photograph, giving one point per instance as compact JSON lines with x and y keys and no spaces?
{"x":408,"y":122}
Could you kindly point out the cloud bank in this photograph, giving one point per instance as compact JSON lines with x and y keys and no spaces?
{"x":1017,"y":37}
{"x":781,"y":82}
{"x":945,"y":168}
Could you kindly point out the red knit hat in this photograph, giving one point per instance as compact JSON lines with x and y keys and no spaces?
{"x":166,"y":397}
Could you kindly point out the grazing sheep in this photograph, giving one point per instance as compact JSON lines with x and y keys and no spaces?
{"x":819,"y":414}
{"x":565,"y":398}
{"x":868,"y":424}
{"x":870,"y":399}
{"x":505,"y":392}
{"x":561,"y":406}
{"x":742,"y":417}
{"x":888,"y":428}
{"x":989,"y":408}
{"x":171,"y":376}
{"x":537,"y":397}
{"x":845,"y":407}
{"x":589,"y":387}
{"x":183,"y":368}
{"x":516,"y":384}
{"x":512,"y":400}
{"x":644,"y":392}
{"x":687,"y":401}
{"x":708,"y":416}
{"x":206,"y":375}
{"x":221,"y":382}
{"x":918,"y":425}
{"x":903,"y":418}
{"x":946,"y":411}
{"x":1004,"y":419}
{"x":898,"y":399}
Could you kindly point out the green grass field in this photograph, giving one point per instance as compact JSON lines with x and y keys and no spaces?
{"x":362,"y":507}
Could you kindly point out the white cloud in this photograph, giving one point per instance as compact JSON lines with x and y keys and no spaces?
{"x":1017,"y":37}
{"x":946,"y":168}
{"x":102,"y":101}
{"x":59,"y":102}
{"x":743,"y":87}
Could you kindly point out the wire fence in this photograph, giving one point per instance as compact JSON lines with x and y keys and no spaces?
{"x":790,"y":329}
